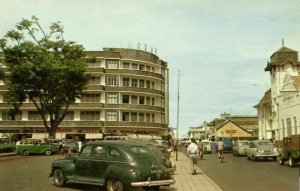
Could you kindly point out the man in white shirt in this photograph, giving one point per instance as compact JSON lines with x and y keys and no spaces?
{"x":192,"y":150}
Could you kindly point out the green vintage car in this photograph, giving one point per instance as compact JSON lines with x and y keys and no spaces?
{"x":116,"y":165}
{"x":35,"y":146}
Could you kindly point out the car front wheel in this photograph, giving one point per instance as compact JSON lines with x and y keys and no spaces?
{"x":48,"y":152}
{"x":114,"y":184}
{"x":26,"y":153}
{"x":58,"y":178}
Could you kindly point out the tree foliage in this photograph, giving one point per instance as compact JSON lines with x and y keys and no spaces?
{"x":44,"y":68}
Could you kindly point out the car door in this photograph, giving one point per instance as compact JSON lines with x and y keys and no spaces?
{"x":83,"y":165}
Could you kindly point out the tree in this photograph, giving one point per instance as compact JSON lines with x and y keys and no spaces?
{"x":44,"y":68}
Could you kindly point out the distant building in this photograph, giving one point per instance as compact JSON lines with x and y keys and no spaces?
{"x":235,"y":126}
{"x":128,"y":93}
{"x":282,"y":117}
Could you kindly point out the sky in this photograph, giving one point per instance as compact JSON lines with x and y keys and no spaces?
{"x":220,"y":47}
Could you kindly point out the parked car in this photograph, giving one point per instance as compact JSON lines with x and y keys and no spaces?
{"x":239,"y":147}
{"x":290,"y":151}
{"x":160,"y":151}
{"x":116,"y":165}
{"x":35,"y":146}
{"x":261,"y":149}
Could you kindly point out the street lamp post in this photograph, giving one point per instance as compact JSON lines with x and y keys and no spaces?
{"x":177,"y":121}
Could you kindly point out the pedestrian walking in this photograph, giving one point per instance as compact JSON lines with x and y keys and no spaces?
{"x":220,"y":148}
{"x":192,"y":151}
{"x":200,"y":149}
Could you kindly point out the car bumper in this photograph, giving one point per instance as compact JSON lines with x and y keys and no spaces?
{"x":150,"y":183}
{"x":265,"y":155}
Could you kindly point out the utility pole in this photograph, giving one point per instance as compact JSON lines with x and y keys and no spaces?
{"x":177,"y":121}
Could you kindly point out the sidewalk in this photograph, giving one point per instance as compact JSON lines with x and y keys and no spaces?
{"x":185,"y":181}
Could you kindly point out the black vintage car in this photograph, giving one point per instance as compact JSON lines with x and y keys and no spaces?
{"x":116,"y":165}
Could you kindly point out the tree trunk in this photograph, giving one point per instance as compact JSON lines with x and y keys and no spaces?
{"x":52,"y":132}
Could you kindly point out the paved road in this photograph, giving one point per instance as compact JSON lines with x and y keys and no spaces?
{"x":240,"y":174}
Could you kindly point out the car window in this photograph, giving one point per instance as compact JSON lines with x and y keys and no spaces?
{"x":99,"y":151}
{"x":264,"y":143}
{"x":113,"y":153}
{"x":244,"y":143}
{"x":86,"y":151}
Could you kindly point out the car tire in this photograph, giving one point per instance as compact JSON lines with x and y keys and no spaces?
{"x":291,"y":162}
{"x":26,"y":153}
{"x":58,"y":178}
{"x":280,"y":160}
{"x":114,"y":184}
{"x":274,"y":159}
{"x":48,"y":152}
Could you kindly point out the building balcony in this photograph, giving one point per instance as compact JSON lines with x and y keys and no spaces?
{"x":134,"y":89}
{"x":134,"y":107}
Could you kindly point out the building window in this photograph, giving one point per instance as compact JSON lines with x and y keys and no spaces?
{"x":133,"y":116}
{"x":126,"y":65}
{"x":282,"y":124}
{"x":153,"y":85}
{"x":147,"y":84}
{"x":142,"y":100}
{"x":148,"y":68}
{"x":153,"y":118}
{"x":134,"y":99}
{"x":34,"y":115}
{"x":148,"y":117}
{"x":148,"y":101}
{"x":6,"y":116}
{"x":112,"y":116}
{"x":142,"y":67}
{"x":125,"y":99}
{"x":112,"y":98}
{"x":289,"y":126}
{"x":153,"y":69}
{"x":95,"y":80}
{"x":112,"y":64}
{"x":153,"y":101}
{"x":141,"y":117}
{"x":134,"y":82}
{"x":125,"y":116}
{"x":90,"y":98}
{"x":126,"y":82}
{"x":134,"y":66}
{"x":90,"y":115}
{"x":69,"y":116}
{"x":112,"y":81}
{"x":142,"y":83}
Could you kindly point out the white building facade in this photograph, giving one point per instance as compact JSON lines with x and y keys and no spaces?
{"x":280,"y":116}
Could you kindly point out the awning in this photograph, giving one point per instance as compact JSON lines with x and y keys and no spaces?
{"x":39,"y":135}
{"x":93,"y":136}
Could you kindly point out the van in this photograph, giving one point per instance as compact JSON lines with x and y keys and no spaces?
{"x":35,"y":146}
{"x":227,"y":144}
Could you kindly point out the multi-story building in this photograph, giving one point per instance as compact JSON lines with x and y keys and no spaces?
{"x":128,"y":93}
{"x":279,"y":113}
